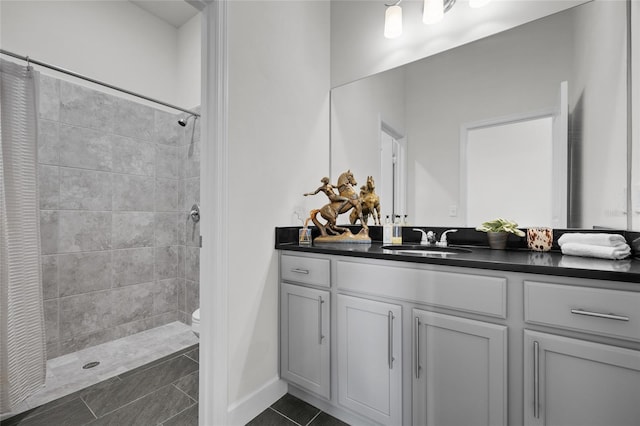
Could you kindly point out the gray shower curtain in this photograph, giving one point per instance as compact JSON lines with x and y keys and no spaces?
{"x":22,"y":337}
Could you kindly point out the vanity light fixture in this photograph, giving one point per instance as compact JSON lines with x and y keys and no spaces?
{"x":433,"y":12}
{"x":393,"y":20}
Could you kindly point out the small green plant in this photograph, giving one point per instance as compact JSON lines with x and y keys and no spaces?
{"x":501,"y":225}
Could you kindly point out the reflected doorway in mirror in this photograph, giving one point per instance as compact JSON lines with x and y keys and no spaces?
{"x":392,"y":187}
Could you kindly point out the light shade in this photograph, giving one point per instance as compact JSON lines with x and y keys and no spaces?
{"x":393,"y":22}
{"x":433,"y":11}
{"x":478,"y":3}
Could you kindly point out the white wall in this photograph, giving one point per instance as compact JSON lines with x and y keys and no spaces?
{"x":359,"y":49}
{"x":356,"y":111}
{"x":495,"y":77}
{"x":278,"y":147}
{"x":510,"y":73}
{"x":601,"y":114}
{"x":189,"y":63}
{"x":635,"y":55}
{"x":113,"y":41}
{"x":486,"y":79}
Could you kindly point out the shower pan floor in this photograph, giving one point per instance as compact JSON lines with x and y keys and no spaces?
{"x":65,"y":374}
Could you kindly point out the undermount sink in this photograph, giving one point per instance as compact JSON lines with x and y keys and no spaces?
{"x":425,"y":250}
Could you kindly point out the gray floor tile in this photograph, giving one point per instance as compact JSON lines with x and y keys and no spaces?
{"x":189,"y":385}
{"x":159,"y":361}
{"x":324,"y":419}
{"x":75,"y":395}
{"x":72,"y":413}
{"x":295,"y":409}
{"x":188,"y":417}
{"x":194,"y":354}
{"x":153,"y":409}
{"x":137,"y":385}
{"x":270,"y":418}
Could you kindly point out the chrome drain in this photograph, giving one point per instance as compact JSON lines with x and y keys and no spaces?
{"x":91,"y":365}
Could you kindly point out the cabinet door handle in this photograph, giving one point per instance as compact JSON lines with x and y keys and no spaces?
{"x":536,"y":380}
{"x":300,"y":271}
{"x":320,"y":336}
{"x":581,"y":311}
{"x":416,"y":338}
{"x":390,"y":336}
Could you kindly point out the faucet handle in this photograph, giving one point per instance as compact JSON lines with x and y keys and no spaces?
{"x":427,"y":237}
{"x":424,"y":239}
{"x":443,"y":237}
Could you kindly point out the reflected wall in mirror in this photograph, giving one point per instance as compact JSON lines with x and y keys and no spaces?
{"x":510,"y":73}
{"x":634,"y":197}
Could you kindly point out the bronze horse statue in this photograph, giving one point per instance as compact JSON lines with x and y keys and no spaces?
{"x":370,"y":204}
{"x":331,"y":211}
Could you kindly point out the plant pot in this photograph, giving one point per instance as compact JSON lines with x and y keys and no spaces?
{"x":497,"y":240}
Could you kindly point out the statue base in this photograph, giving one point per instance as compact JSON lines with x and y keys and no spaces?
{"x":361,"y":237}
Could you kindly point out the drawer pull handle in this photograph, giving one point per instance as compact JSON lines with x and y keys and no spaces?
{"x":599,"y":315}
{"x":320,"y":335}
{"x":300,"y":271}
{"x":390,"y":358}
{"x":417,"y":343}
{"x":536,"y":380}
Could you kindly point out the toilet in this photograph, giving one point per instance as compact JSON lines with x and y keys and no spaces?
{"x":195,"y":322}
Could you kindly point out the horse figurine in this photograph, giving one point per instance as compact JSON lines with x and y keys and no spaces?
{"x":337,"y":206}
{"x":370,"y":204}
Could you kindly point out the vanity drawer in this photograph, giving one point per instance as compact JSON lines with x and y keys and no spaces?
{"x":460,"y":291}
{"x":305,"y":270}
{"x":613,"y":313}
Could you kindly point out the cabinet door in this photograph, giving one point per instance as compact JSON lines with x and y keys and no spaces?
{"x":370,"y":358}
{"x":576,"y":382}
{"x":459,"y":371}
{"x":304,"y":338}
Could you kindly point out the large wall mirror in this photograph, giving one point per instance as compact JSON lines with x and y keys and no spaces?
{"x":518,"y":72}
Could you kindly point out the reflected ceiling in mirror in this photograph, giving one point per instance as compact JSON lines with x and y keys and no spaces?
{"x":513,"y":72}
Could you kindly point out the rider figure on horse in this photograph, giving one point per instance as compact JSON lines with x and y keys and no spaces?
{"x":327,"y":188}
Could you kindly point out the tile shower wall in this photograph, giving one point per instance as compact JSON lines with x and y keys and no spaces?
{"x":189,"y":292}
{"x":119,"y":254}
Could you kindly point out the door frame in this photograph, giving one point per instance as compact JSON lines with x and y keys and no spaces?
{"x":559,"y":166}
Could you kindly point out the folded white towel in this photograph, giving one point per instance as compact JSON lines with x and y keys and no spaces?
{"x":576,"y":262}
{"x":596,"y":239}
{"x":576,"y":249}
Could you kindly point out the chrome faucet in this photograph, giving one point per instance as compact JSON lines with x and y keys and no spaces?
{"x":443,"y":238}
{"x":428,"y":238}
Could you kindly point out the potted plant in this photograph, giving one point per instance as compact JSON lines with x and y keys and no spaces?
{"x":498,"y":231}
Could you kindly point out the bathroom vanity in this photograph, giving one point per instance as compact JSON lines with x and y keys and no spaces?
{"x":488,"y":337}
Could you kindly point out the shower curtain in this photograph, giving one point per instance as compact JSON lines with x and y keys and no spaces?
{"x":22,"y":338}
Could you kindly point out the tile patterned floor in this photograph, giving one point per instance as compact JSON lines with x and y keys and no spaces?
{"x":150,"y":378}
{"x":65,"y":374}
{"x":290,"y":410}
{"x":164,"y":393}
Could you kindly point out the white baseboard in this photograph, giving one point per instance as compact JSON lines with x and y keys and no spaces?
{"x":241,"y":412}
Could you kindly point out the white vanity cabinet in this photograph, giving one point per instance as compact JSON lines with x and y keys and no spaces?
{"x":370,"y":358}
{"x":304,"y":334}
{"x":458,"y":365}
{"x":576,"y":381}
{"x":376,"y":341}
{"x":305,"y":339}
{"x":459,"y":371}
{"x":571,"y":382}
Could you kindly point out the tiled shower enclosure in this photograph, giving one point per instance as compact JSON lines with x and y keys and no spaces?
{"x":119,"y":252}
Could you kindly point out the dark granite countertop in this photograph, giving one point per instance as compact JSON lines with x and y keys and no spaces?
{"x":515,"y":259}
